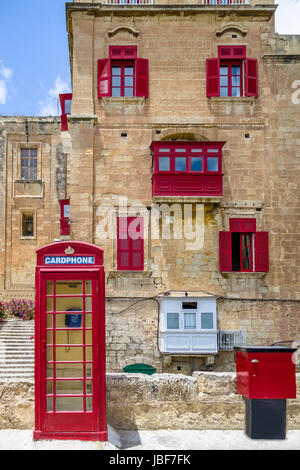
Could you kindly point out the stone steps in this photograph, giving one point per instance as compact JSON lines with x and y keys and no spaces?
{"x":17,"y":350}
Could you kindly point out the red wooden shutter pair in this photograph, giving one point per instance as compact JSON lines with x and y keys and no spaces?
{"x":213,"y":72}
{"x":242,"y":225}
{"x":123,"y":53}
{"x":130,"y":243}
{"x":232,"y":52}
{"x":261,"y":252}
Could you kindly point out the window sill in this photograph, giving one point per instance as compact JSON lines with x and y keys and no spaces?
{"x":235,"y":274}
{"x":120,"y":102}
{"x":233,"y":100}
{"x":118,"y":273}
{"x":28,"y":188}
{"x":189,"y":199}
{"x":27,"y":238}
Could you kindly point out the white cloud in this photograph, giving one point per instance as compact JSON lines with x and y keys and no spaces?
{"x":5,"y":74}
{"x":287,"y":17}
{"x":60,"y":86}
{"x":49,"y":106}
{"x":3,"y":92}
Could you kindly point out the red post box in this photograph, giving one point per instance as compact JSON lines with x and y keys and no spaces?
{"x":266,"y":372}
{"x":266,"y":377}
{"x":70,"y":343}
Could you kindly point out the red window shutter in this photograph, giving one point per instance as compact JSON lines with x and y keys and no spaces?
{"x":115,"y":52}
{"x":225,"y":251}
{"x":130,"y":243}
{"x":64,"y":220}
{"x":212,"y":77}
{"x":123,"y":52}
{"x":142,"y":77}
{"x":104,"y":77}
{"x":232,"y":52}
{"x":130,"y":52}
{"x":262,"y":252}
{"x":251,"y":77}
{"x":64,"y":122}
{"x":242,"y":225}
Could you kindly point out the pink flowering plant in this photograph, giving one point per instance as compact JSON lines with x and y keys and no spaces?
{"x":21,"y":308}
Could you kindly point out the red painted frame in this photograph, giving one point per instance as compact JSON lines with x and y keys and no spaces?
{"x":122,"y":55}
{"x":83,"y":425}
{"x":187,"y":183}
{"x":122,"y":64}
{"x":235,"y":55}
{"x":131,"y":247}
{"x":259,"y":246}
{"x":63,"y":98}
{"x":250,"y":258}
{"x":64,"y":221}
{"x":230,"y":64}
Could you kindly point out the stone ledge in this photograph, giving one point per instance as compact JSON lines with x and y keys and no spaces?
{"x":188,"y":199}
{"x":242,"y":275}
{"x":81,"y":117}
{"x":232,"y":100}
{"x":116,"y":273}
{"x":242,"y":204}
{"x":205,"y":400}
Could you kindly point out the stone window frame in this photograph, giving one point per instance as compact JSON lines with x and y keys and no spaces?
{"x":29,"y":145}
{"x":32,"y":211}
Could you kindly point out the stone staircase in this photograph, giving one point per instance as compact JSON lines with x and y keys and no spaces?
{"x":16,"y":350}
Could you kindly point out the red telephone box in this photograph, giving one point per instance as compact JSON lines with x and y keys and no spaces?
{"x":70,"y":386}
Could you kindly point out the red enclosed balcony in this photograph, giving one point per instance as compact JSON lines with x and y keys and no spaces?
{"x":187,"y":169}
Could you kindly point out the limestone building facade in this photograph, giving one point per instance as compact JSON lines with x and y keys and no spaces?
{"x":178,"y":153}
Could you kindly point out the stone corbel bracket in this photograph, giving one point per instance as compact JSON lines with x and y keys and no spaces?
{"x":231,"y":27}
{"x":128,"y":29}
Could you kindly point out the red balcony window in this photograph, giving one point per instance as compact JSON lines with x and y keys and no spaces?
{"x":64,"y":216}
{"x":187,"y":168}
{"x":232,"y":73}
{"x":65,"y":104}
{"x":123,"y":73}
{"x":130,"y":244}
{"x":243,"y":249}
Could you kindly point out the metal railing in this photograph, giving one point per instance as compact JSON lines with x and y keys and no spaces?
{"x":224,"y":2}
{"x":201,"y":2}
{"x":129,"y":2}
{"x":228,"y":339}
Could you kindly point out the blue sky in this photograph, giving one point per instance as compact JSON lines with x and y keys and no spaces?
{"x":34,"y":55}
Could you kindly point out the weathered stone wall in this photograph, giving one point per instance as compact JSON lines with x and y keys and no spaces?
{"x":94,"y":164}
{"x":161,"y":401}
{"x":257,"y":181}
{"x":132,"y":335}
{"x":17,"y":253}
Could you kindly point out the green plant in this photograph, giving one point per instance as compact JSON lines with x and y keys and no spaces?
{"x":2,"y":310}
